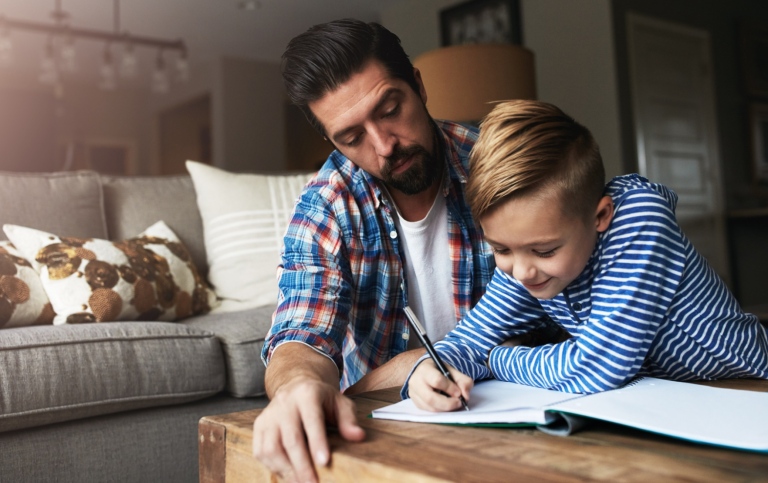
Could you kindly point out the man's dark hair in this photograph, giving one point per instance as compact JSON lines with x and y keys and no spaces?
{"x":327,"y":55}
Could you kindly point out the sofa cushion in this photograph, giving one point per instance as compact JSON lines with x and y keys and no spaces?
{"x":242,"y":337}
{"x":69,"y":202}
{"x":23,"y":300}
{"x":244,"y":220}
{"x":132,"y":203}
{"x":53,"y":373}
{"x":150,"y":277}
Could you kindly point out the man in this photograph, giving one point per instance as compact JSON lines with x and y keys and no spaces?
{"x":384,"y":224}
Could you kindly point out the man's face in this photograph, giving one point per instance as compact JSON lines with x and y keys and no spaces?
{"x":535,"y":242}
{"x":382,"y":125}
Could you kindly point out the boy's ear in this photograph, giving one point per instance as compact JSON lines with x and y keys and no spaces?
{"x":604,"y":213}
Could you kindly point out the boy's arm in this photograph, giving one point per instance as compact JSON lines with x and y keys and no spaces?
{"x":467,"y":346}
{"x":642,"y":265}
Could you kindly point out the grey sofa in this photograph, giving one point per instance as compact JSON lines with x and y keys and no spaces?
{"x":118,"y":401}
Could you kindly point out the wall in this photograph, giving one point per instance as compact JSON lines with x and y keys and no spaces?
{"x":249,"y":116}
{"x":90,"y":115}
{"x":37,"y":123}
{"x":185,"y":133}
{"x":27,"y":130}
{"x":576,"y":67}
{"x":417,"y":23}
{"x":575,"y":62}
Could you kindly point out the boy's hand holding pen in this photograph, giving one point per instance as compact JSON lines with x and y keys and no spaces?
{"x":429,"y":389}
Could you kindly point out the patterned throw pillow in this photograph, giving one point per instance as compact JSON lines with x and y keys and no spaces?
{"x":150,"y":277}
{"x":22,"y":298}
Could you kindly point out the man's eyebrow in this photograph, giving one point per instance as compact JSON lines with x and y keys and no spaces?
{"x":384,"y":98}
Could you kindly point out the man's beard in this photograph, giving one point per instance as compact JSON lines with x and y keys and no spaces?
{"x":424,"y":171}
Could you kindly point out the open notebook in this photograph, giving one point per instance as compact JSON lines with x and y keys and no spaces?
{"x":722,"y":417}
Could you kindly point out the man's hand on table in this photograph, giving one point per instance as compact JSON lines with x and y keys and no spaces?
{"x":293,"y":425}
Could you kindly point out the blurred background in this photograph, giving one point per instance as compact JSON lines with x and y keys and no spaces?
{"x":674,"y":89}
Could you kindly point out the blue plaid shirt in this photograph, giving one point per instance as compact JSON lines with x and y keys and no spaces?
{"x":341,"y":281}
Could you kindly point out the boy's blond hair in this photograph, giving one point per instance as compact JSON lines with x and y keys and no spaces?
{"x":531,"y":146}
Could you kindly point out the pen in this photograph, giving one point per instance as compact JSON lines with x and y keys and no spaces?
{"x":419,"y":329}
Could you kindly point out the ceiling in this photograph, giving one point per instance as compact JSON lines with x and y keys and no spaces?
{"x":210,"y":28}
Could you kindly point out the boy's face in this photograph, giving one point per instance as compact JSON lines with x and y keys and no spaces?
{"x":535,"y":242}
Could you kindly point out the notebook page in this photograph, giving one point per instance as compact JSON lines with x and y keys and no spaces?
{"x":490,"y":402}
{"x":725,"y":417}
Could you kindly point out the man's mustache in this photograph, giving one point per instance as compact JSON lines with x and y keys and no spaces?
{"x":401,"y":153}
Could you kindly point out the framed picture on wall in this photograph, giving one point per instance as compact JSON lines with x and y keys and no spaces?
{"x":480,"y":22}
{"x":758,"y":126}
{"x":754,"y":50}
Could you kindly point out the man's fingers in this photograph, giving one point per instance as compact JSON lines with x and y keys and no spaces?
{"x":268,"y":448}
{"x":313,"y":419}
{"x":300,"y":463}
{"x":346,"y":420}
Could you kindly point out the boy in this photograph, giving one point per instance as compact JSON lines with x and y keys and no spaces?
{"x":607,"y":262}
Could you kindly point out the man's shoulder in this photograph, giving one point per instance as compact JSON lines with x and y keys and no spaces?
{"x":462,"y":136}
{"x":338,"y":178}
{"x":458,"y":141}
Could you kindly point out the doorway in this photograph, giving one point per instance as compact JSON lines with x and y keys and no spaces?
{"x":673,"y":104}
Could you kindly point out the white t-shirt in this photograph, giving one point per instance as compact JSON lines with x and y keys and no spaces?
{"x":428,"y":271}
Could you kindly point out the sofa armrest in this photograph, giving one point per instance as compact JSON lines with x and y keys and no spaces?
{"x":242,"y":337}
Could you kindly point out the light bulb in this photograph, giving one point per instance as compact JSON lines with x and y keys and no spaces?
{"x":128,"y":62}
{"x":6,"y":48}
{"x":182,"y":68}
{"x":68,"y":56}
{"x":107,"y":72}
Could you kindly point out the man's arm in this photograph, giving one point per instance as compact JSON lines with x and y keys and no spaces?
{"x":392,"y":373}
{"x":303,"y":387}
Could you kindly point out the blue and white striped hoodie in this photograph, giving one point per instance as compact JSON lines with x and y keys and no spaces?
{"x":646,"y":304}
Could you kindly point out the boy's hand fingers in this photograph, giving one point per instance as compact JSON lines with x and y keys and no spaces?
{"x":431,"y":390}
{"x":463,"y":382}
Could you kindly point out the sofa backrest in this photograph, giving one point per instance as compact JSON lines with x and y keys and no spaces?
{"x":133,"y":203}
{"x":67,"y":203}
{"x":85,"y":204}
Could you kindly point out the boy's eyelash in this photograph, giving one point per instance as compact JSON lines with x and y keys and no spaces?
{"x":547,"y":254}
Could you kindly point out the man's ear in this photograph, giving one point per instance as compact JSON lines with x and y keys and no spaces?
{"x":420,"y":83}
{"x":604,"y":214}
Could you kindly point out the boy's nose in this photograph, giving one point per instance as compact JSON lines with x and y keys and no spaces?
{"x":524,"y":272}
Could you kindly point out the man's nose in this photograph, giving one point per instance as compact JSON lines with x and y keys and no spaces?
{"x":383,"y":141}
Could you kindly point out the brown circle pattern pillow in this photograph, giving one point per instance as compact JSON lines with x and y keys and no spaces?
{"x":22,"y":298}
{"x":150,"y":277}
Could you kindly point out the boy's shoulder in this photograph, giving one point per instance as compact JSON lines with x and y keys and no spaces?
{"x":633,"y":186}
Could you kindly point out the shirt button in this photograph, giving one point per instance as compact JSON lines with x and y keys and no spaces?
{"x":577,"y":306}
{"x":405,"y":336}
{"x":393,"y":234}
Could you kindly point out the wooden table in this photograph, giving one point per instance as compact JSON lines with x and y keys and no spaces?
{"x":412,"y":452}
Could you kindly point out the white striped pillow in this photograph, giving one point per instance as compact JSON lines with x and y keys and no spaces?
{"x":244,"y":220}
